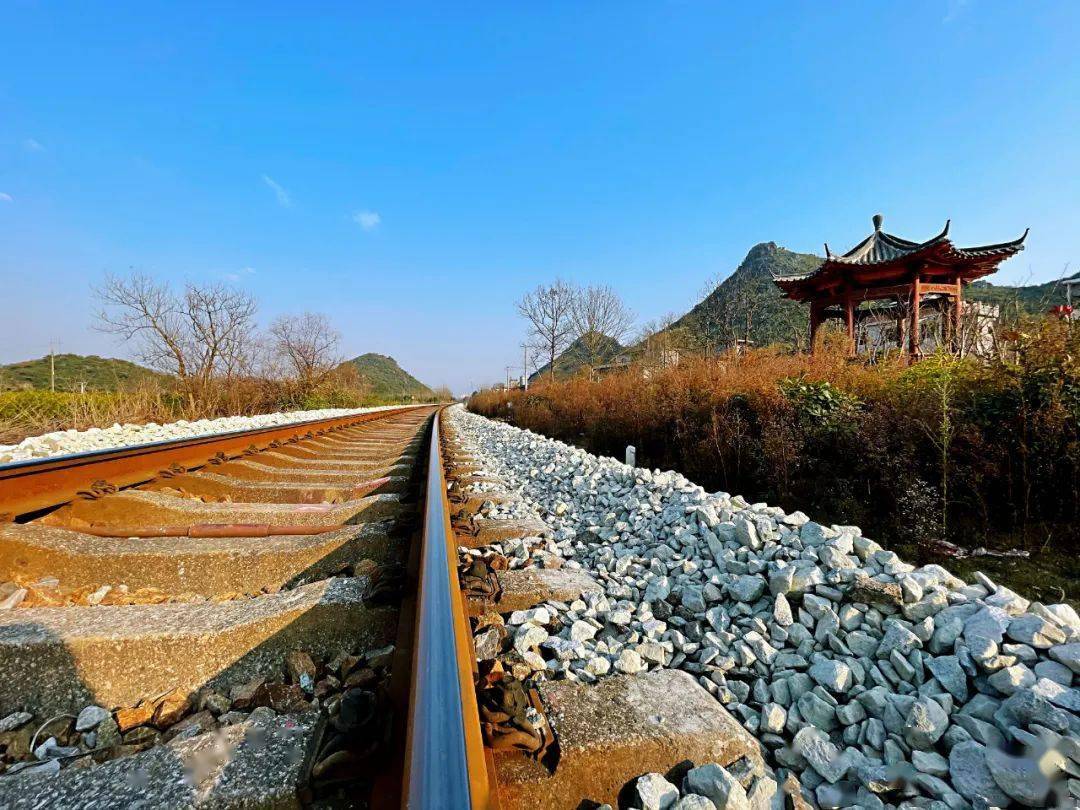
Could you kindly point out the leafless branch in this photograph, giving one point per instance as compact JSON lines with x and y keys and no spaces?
{"x":206,"y":332}
{"x":308,"y":347}
{"x":548,"y":310}
{"x":599,"y":316}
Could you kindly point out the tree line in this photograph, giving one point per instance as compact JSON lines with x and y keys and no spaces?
{"x":560,"y":314}
{"x":207,"y":334}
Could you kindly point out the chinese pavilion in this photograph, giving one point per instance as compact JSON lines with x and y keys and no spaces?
{"x":886,"y":267}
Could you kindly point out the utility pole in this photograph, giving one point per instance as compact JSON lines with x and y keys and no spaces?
{"x":525,"y":366}
{"x":52,"y":367}
{"x":508,"y":377}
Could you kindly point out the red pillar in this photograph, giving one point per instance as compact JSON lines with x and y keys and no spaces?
{"x":815,"y":322}
{"x":849,"y":321}
{"x":914,"y":336}
{"x":958,"y":309}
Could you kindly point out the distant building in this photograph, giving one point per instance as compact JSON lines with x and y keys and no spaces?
{"x":619,"y":362}
{"x":911,"y":279}
{"x":1068,"y":312}
{"x":880,"y":328}
{"x":645,"y":360}
{"x":516,"y":384}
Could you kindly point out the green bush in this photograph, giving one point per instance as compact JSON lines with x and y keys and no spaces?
{"x":819,"y":402}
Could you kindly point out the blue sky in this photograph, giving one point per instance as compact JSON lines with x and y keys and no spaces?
{"x":411,"y":168}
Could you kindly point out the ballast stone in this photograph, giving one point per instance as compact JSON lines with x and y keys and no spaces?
{"x":926,"y":722}
{"x":693,"y":801}
{"x":806,"y":632}
{"x":90,"y":717}
{"x":717,"y":785}
{"x":816,"y":748}
{"x":747,"y":588}
{"x":654,"y":792}
{"x":972,"y":777}
{"x":1068,"y":655}
{"x":833,"y":675}
{"x":75,"y":441}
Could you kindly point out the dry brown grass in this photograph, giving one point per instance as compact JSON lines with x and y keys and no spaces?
{"x":31,"y":413}
{"x":968,"y":452}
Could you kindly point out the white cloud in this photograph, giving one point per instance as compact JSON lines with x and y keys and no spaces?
{"x":30,"y":145}
{"x":283,"y":198}
{"x":6,"y":197}
{"x":368,"y":220}
{"x":239,"y":275}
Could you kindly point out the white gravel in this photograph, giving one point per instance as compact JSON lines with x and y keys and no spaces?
{"x":67,"y":442}
{"x":877,"y":683}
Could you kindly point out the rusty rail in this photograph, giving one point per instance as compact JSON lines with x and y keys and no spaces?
{"x":445,"y":761}
{"x":27,"y":486}
{"x":446,"y":764}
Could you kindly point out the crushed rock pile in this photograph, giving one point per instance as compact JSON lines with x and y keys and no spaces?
{"x":879,"y":684}
{"x":68,"y":442}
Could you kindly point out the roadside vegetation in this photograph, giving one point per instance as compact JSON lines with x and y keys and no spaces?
{"x":202,"y":356}
{"x":935,"y":459}
{"x":31,"y":412}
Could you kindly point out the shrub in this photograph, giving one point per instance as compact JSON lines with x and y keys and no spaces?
{"x":32,"y":412}
{"x":959,"y":450}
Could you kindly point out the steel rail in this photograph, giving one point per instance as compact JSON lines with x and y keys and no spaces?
{"x":445,"y":764}
{"x":28,"y":486}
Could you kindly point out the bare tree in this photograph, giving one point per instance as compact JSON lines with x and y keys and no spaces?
{"x":548,"y":311}
{"x":307,"y":345}
{"x":712,"y":319}
{"x":207,"y":331}
{"x":443,"y":393}
{"x":221,"y":321}
{"x":655,"y":339}
{"x":649,"y":330}
{"x":599,"y":317}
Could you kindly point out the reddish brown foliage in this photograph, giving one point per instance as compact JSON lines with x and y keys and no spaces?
{"x":846,"y":441}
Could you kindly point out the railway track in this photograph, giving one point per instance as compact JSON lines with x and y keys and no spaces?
{"x":309,"y":615}
{"x":217,"y":621}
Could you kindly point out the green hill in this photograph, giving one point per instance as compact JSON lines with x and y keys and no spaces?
{"x":75,"y":372}
{"x":747,"y":304}
{"x":387,"y":379}
{"x":576,"y":357}
{"x":1031,"y":299}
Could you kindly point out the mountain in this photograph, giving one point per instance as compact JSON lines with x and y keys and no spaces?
{"x":387,"y":379}
{"x":75,"y":372}
{"x":576,"y":357}
{"x":747,"y":304}
{"x":1032,"y":299}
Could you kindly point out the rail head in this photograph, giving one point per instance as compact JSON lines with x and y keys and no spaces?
{"x":445,"y":760}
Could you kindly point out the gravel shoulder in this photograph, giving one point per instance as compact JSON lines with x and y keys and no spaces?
{"x":876,"y":683}
{"x":68,"y":442}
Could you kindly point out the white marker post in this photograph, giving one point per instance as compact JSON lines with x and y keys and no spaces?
{"x":631,"y":455}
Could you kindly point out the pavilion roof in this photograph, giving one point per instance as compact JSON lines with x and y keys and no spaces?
{"x":882,"y":258}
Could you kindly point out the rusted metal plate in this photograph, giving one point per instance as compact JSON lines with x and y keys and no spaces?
{"x":28,"y":486}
